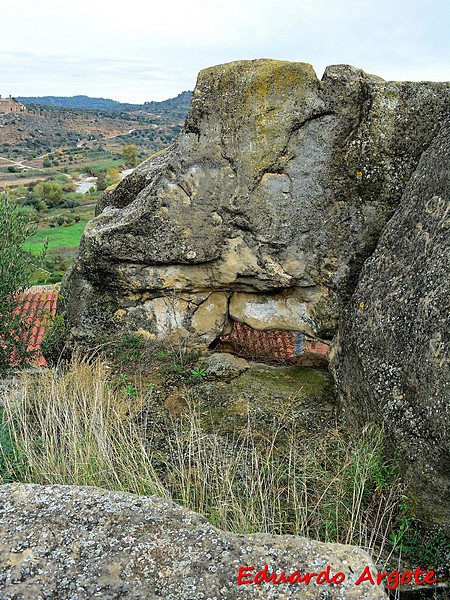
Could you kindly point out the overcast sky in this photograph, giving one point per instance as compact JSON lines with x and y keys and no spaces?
{"x":141,"y":50}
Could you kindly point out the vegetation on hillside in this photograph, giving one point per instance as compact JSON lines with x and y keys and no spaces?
{"x":58,"y":215}
{"x":44,"y":151}
{"x":66,"y":124}
{"x":88,"y":103}
{"x":280,"y":482}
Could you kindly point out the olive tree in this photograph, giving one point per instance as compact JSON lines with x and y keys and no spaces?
{"x":130,"y":155}
{"x":15,"y":269}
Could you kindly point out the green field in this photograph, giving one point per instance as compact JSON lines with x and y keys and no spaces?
{"x":58,"y":237}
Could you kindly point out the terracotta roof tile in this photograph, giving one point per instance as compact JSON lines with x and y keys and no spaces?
{"x":35,"y":306}
{"x":283,"y":345}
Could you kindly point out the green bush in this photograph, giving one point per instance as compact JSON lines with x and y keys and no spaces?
{"x":50,"y":192}
{"x":63,"y":220}
{"x":16,"y":267}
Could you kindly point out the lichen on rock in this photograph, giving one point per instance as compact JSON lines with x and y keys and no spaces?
{"x":391,"y":357}
{"x":279,"y":184}
{"x":70,"y":542}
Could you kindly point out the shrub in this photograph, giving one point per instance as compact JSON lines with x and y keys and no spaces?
{"x":130,"y":155}
{"x":71,"y":203}
{"x":16,"y":267}
{"x":50,"y":192}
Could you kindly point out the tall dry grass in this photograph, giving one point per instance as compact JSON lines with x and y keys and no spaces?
{"x":73,"y":427}
{"x":330,"y":488}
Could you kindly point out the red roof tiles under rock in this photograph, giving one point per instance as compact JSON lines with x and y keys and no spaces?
{"x":278,"y":345}
{"x":35,"y":306}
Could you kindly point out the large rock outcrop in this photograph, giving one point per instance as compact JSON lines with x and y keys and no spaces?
{"x":68,"y":542}
{"x":391,"y":358}
{"x":263,"y":211}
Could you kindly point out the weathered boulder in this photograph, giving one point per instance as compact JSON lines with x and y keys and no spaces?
{"x":277,"y":188}
{"x":70,"y":542}
{"x":391,"y":358}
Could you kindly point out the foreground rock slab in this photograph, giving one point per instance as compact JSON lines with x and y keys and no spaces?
{"x":77,"y":542}
{"x":391,"y":358}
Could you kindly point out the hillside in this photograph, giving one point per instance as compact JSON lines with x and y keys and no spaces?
{"x":88,"y":103}
{"x":48,"y":128}
{"x":84,"y":102}
{"x":69,"y":145}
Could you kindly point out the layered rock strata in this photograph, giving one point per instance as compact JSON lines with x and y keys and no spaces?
{"x":263,"y":211}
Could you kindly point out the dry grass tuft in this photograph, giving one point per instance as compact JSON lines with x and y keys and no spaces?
{"x":330,"y":488}
{"x":70,"y":426}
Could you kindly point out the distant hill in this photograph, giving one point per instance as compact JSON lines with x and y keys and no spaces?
{"x":183,"y":99}
{"x":88,"y":103}
{"x":46,"y":128}
{"x":84,"y":102}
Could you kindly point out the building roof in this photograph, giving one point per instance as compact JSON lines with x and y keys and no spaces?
{"x":11,"y":101}
{"x":36,"y":306}
{"x":276,"y":345}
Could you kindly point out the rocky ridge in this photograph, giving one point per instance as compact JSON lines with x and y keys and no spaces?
{"x":263,"y":211}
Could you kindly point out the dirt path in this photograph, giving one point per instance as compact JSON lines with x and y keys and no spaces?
{"x":110,"y":137}
{"x":19,"y":164}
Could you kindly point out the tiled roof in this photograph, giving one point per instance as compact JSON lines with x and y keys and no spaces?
{"x":282,"y":345}
{"x":35,"y":305}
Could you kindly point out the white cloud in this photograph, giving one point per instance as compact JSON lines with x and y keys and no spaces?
{"x":142,"y":50}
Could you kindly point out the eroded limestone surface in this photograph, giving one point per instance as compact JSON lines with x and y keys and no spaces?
{"x":391,"y":358}
{"x":264,"y":210}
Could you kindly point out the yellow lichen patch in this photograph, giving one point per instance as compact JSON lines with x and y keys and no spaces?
{"x":259,"y":98}
{"x":146,"y":334}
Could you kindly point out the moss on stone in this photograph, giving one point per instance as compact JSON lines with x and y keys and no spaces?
{"x":276,"y":381}
{"x":269,"y":397}
{"x":326,"y":316}
{"x":260,"y":95}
